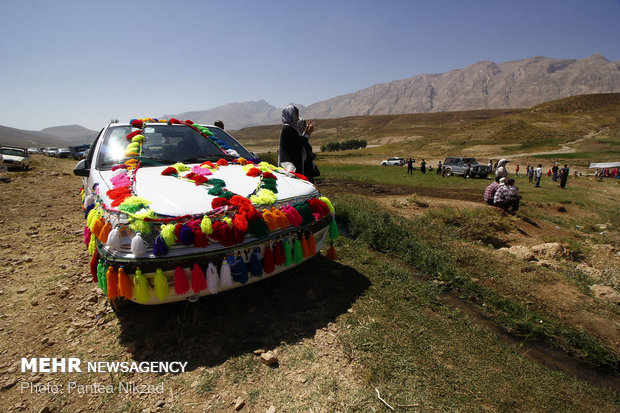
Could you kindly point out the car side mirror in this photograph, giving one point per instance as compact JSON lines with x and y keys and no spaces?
{"x":81,"y":169}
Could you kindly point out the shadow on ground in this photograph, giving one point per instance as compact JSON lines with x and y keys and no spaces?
{"x":283,"y":309}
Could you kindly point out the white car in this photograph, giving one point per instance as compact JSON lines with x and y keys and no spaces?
{"x":15,"y":158}
{"x":393,"y":161}
{"x":176,"y":211}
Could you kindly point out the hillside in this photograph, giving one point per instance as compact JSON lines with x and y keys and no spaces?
{"x":55,"y":136}
{"x":543,"y":127}
{"x":482,"y":85}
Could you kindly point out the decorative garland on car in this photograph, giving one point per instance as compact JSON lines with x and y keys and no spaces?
{"x":233,"y":216}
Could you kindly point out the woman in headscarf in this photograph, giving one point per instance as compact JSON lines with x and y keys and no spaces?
{"x":292,"y":141}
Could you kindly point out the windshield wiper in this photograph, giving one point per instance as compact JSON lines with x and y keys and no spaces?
{"x":203,"y":158}
{"x":160,"y":160}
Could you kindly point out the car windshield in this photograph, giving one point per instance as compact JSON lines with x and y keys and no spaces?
{"x":166,"y":144}
{"x":469,"y":160}
{"x":13,"y":152}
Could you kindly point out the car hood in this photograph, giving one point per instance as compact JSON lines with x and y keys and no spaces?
{"x":172,"y":196}
{"x":13,"y":158}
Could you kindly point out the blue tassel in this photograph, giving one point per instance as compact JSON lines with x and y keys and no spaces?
{"x":88,"y":208}
{"x":256,"y":267}
{"x":186,"y":236}
{"x":159,"y":246}
{"x":240,"y":270}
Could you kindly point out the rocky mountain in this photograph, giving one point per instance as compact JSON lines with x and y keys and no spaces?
{"x":237,"y":115}
{"x":483,"y":85}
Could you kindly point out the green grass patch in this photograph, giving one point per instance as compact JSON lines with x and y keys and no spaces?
{"x":423,"y":355}
{"x":408,"y":240}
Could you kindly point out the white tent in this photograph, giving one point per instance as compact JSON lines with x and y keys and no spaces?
{"x":604,"y":165}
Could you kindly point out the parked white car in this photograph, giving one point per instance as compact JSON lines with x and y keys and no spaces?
{"x":176,"y":211}
{"x":15,"y":158}
{"x":393,"y":161}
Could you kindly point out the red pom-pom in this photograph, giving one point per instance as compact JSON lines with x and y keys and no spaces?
{"x":137,"y":123}
{"x":200,"y":239}
{"x":169,"y":171}
{"x":188,"y":122}
{"x":219,"y":202}
{"x":300,"y":176}
{"x":269,"y":175}
{"x":132,"y":134}
{"x":175,"y":121}
{"x":254,"y":172}
{"x":199,"y":179}
{"x":222,"y":162}
{"x":208,"y":163}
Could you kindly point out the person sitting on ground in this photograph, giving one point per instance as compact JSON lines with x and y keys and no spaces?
{"x":219,"y":124}
{"x":513,"y":194}
{"x":490,"y":190}
{"x":507,"y":195}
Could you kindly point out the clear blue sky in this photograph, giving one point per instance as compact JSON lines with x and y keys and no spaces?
{"x":85,"y":62}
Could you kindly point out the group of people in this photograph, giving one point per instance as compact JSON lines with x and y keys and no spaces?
{"x":503,"y":193}
{"x":607,"y":173}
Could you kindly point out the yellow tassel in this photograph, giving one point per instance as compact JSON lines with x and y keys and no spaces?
{"x":162,"y":290}
{"x":141,"y":287}
{"x":167,"y":233}
{"x":228,"y":221}
{"x":125,"y":286}
{"x":328,"y":203}
{"x":92,"y":216}
{"x":205,"y":225}
{"x":92,"y":245}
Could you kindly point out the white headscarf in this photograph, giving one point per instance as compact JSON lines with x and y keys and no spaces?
{"x":289,"y":116}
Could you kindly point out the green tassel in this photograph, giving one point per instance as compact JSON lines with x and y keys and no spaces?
{"x":141,"y":287}
{"x":101,"y":270}
{"x":258,"y":227}
{"x":298,"y":255}
{"x":288,"y":252}
{"x":162,"y":290}
{"x":333,"y":230}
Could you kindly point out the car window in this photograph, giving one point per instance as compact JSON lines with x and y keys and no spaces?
{"x":163,"y":143}
{"x":230,"y":142}
{"x":469,"y":160}
{"x":12,"y":152}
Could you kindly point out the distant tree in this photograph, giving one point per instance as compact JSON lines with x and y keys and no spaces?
{"x":343,"y":146}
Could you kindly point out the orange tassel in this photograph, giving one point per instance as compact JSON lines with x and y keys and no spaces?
{"x":305,"y":251}
{"x":125,"y":285}
{"x":281,"y":218}
{"x":271,"y":220}
{"x":105,"y":231}
{"x":311,"y":244}
{"x":331,"y":253}
{"x":97,"y":226}
{"x":112,"y":281}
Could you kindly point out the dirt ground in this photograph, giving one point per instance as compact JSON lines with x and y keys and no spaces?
{"x":50,"y":308}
